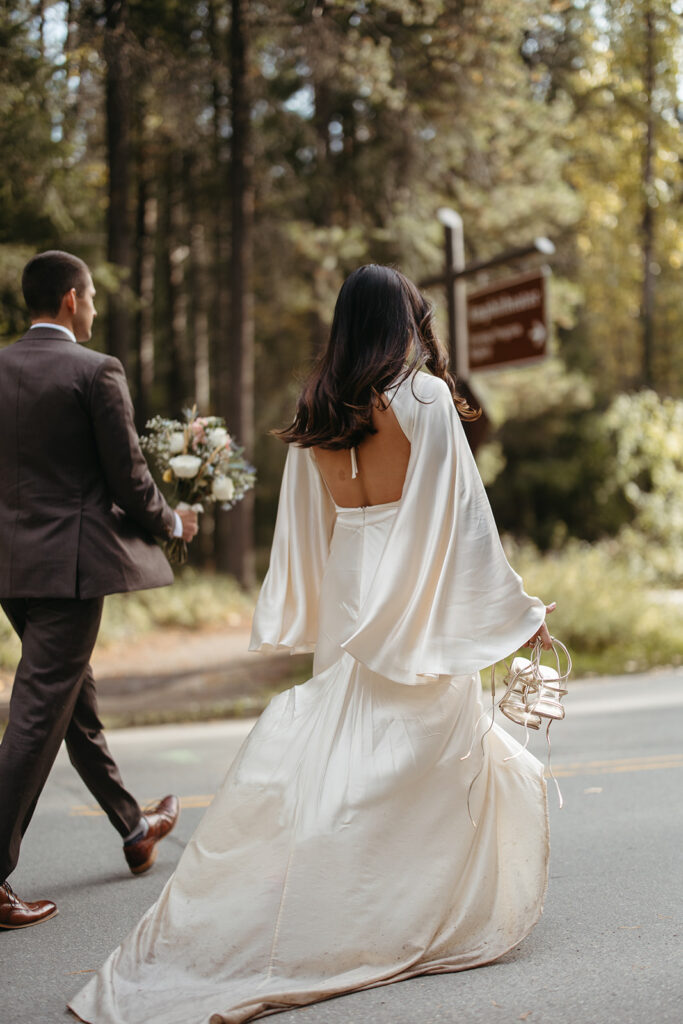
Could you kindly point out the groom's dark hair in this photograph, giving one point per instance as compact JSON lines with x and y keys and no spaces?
{"x":48,"y":277}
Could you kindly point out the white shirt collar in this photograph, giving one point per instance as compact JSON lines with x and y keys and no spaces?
{"x":56,"y":327}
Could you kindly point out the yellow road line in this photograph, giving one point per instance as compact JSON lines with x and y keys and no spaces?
{"x":93,"y":811}
{"x":668,"y":758}
{"x":662,"y":762}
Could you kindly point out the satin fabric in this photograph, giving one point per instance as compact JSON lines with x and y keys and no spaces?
{"x":339,"y":853}
{"x":446,"y":601}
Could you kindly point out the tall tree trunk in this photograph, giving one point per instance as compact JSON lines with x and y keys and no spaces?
{"x":648,"y":225}
{"x":213,"y":538}
{"x":118,"y":153}
{"x":237,"y":556}
{"x":198,"y":306}
{"x":70,"y":34}
{"x":71,"y":105}
{"x":201,"y":551}
{"x":220,"y":363}
{"x":146,"y":239}
{"x":323,"y":111}
{"x":41,"y":26}
{"x":179,"y":386}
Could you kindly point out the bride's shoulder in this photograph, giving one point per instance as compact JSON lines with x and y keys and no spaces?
{"x":421,"y":388}
{"x":422,"y":402}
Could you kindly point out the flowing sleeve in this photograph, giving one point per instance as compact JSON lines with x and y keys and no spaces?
{"x":286,"y":615}
{"x":444,"y":600}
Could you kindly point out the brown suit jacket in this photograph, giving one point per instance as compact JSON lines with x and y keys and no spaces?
{"x":79,"y":509}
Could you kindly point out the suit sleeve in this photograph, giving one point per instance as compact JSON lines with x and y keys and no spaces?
{"x":128,"y":477}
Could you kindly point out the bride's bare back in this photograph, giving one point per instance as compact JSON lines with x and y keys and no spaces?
{"x":382,"y":461}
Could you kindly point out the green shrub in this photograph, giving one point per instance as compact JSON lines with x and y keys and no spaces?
{"x":611,"y":620}
{"x":557,"y":478}
{"x":646,"y":434}
{"x":195,"y":601}
{"x":577,"y":472}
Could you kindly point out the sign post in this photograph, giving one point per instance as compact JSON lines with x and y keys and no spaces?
{"x":455,"y":289}
{"x":503,"y":325}
{"x":508,"y":322}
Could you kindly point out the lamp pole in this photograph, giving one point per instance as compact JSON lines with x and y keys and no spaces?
{"x":454,"y":241}
{"x":454,"y":280}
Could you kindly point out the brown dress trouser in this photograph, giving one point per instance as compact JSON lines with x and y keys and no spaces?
{"x":53,"y":698}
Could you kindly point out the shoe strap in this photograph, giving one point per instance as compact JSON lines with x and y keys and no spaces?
{"x":536,"y":682}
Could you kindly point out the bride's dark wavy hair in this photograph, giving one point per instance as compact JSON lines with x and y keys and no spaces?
{"x":382,"y":332}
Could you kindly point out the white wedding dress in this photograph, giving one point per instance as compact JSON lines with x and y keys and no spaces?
{"x":339,"y":853}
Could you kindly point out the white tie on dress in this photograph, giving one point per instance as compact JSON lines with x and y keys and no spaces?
{"x":354,"y":464}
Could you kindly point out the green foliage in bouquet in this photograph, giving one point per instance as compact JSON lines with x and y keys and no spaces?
{"x":200,"y":461}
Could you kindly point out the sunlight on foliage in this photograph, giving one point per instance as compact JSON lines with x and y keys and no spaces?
{"x":647,"y":432}
{"x":611,"y":621}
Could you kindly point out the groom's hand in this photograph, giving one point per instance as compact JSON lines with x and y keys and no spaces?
{"x":190,"y":524}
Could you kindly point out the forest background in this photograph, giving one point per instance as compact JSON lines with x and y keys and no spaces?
{"x":222,"y":165}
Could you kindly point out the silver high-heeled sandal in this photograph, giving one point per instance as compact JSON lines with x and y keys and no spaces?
{"x":520,"y":682}
{"x":547,"y":701}
{"x":543,"y":691}
{"x":532,"y":692}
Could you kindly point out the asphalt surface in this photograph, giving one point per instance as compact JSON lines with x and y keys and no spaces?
{"x":606,"y":951}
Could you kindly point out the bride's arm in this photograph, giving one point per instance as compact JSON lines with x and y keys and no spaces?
{"x":286,"y":615}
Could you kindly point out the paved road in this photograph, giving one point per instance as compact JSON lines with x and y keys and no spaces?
{"x":607,"y":950}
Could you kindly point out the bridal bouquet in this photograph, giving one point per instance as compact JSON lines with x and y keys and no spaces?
{"x":202,"y":462}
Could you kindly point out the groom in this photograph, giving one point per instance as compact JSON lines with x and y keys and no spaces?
{"x":79,"y":512}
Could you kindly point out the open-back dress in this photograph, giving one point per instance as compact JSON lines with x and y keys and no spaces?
{"x":339,"y":853}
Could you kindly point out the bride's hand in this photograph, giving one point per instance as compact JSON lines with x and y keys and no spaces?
{"x":543,"y":634}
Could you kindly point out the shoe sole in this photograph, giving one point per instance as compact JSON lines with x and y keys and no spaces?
{"x":31,"y":924}
{"x":155,"y":850}
{"x":148,"y":863}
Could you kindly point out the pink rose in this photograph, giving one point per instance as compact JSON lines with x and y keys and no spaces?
{"x":198,"y":431}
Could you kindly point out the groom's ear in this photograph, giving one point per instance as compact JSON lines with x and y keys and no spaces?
{"x":69,"y":301}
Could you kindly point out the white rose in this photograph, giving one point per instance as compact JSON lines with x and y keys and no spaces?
{"x":217,"y":437}
{"x":185,"y":466}
{"x":177,"y":442}
{"x":223,"y":488}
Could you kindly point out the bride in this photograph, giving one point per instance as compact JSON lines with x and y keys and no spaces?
{"x":339,"y":853}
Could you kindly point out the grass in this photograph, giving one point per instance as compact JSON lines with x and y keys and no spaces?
{"x":195,"y":601}
{"x":610,"y":621}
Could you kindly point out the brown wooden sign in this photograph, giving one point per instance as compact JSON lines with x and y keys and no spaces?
{"x":507,"y":323}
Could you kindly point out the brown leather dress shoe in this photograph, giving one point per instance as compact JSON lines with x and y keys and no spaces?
{"x":15,"y":913}
{"x":160,"y":819}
